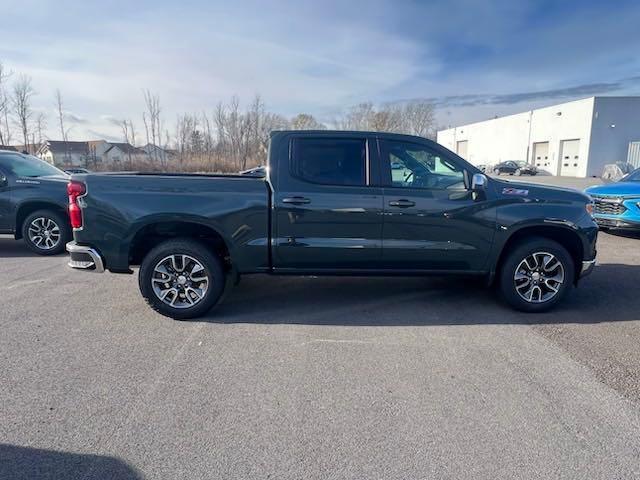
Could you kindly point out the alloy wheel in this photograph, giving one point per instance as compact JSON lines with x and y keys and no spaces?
{"x":539,"y":277}
{"x":180,"y":281}
{"x":44,"y":233}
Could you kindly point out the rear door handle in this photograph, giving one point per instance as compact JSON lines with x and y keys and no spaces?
{"x":402,"y":203}
{"x":296,"y":200}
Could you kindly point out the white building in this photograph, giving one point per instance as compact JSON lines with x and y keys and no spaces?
{"x":571,"y":139}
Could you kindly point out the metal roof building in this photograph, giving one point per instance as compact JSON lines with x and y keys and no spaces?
{"x":574,"y":139}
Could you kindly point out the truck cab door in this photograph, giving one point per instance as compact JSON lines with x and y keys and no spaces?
{"x":6,"y":209}
{"x":327,"y":211}
{"x":431,"y":219}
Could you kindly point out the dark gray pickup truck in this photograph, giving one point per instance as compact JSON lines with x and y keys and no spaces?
{"x":332,"y":203}
{"x":33,"y":202}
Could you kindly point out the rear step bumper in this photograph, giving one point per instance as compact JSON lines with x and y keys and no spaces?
{"x":84,"y":258}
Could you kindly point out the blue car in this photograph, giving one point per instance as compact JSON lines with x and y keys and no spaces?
{"x":617,"y":205}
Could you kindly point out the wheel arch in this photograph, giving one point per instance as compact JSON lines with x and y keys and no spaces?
{"x":148,"y":236}
{"x":565,"y":236}
{"x":27,"y":208}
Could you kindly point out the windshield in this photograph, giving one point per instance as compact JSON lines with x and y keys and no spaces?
{"x":28,"y":166}
{"x":632,"y":177}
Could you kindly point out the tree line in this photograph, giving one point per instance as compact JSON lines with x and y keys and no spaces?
{"x":230,"y":137}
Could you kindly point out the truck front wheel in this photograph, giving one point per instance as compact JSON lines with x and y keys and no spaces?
{"x":181,"y":279}
{"x":536,"y":275}
{"x":46,"y":232}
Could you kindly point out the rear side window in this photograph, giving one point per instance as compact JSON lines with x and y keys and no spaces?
{"x":330,"y":161}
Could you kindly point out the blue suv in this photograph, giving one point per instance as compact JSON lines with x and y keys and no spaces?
{"x":617,"y":205}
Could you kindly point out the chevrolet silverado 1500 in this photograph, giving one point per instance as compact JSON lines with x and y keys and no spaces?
{"x":332,"y":203}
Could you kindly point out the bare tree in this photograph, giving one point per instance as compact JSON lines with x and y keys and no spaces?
{"x":22,"y":93}
{"x":64,"y":133}
{"x":186,"y":125}
{"x":305,"y":121}
{"x":124,"y":127}
{"x":41,"y":126}
{"x":152,"y":121}
{"x":5,"y":131}
{"x":146,"y":127}
{"x":128,"y":136}
{"x":420,"y":119}
{"x":412,"y":117}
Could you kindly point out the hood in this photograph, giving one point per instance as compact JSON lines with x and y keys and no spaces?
{"x":617,"y":188}
{"x":538,"y":191}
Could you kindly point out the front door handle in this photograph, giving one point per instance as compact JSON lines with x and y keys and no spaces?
{"x":402,"y":203}
{"x":296,"y":200}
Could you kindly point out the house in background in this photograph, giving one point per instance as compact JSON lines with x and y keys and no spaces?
{"x":67,"y":154}
{"x":31,"y":148}
{"x":95,"y":152}
{"x":97,"y":149}
{"x":158,"y":153}
{"x":123,"y":153}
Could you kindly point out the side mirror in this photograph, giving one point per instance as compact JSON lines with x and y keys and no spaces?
{"x":3,"y":181}
{"x":479,"y":182}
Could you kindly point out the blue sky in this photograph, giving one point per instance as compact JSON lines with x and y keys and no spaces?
{"x":473,"y":59}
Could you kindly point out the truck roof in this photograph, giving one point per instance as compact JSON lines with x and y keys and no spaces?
{"x":350,"y":133}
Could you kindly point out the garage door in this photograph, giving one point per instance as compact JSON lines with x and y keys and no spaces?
{"x":569,"y":158}
{"x":541,"y":156}
{"x":461,"y":148}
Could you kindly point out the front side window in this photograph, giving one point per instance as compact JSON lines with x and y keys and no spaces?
{"x":329,"y":161}
{"x":28,"y":166}
{"x":416,"y":166}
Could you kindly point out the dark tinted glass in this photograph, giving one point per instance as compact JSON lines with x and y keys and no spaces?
{"x":330,"y":161}
{"x":416,"y":166}
{"x":27,"y":166}
{"x":633,"y":176}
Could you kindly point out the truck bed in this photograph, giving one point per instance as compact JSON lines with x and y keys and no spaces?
{"x":118,"y":206}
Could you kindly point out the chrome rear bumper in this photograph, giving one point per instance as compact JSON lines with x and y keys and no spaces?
{"x":84,"y":258}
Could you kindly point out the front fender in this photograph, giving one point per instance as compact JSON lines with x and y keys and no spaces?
{"x":530,"y":217}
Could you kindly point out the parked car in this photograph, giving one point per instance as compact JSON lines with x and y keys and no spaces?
{"x":331,"y":206}
{"x":71,"y":171}
{"x":617,"y":204}
{"x":515,"y":167}
{"x":33,"y":202}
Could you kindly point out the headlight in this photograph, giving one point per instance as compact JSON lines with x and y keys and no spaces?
{"x":590,"y":208}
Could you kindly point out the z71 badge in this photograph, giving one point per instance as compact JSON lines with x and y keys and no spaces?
{"x":515,"y":191}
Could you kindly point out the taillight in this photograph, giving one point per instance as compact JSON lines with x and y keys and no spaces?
{"x":75,"y":190}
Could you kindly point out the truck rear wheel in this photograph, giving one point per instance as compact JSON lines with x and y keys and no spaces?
{"x":46,"y":232}
{"x":181,"y":279}
{"x":536,"y":275}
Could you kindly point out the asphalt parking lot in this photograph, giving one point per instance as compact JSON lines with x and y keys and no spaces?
{"x":318,"y":378}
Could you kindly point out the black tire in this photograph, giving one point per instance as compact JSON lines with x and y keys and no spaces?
{"x":40,"y":222}
{"x":524,"y":250}
{"x":198,"y":253}
{"x":518,"y":172}
{"x":496,"y":171}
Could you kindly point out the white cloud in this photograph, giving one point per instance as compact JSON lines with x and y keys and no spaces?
{"x":316,"y":57}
